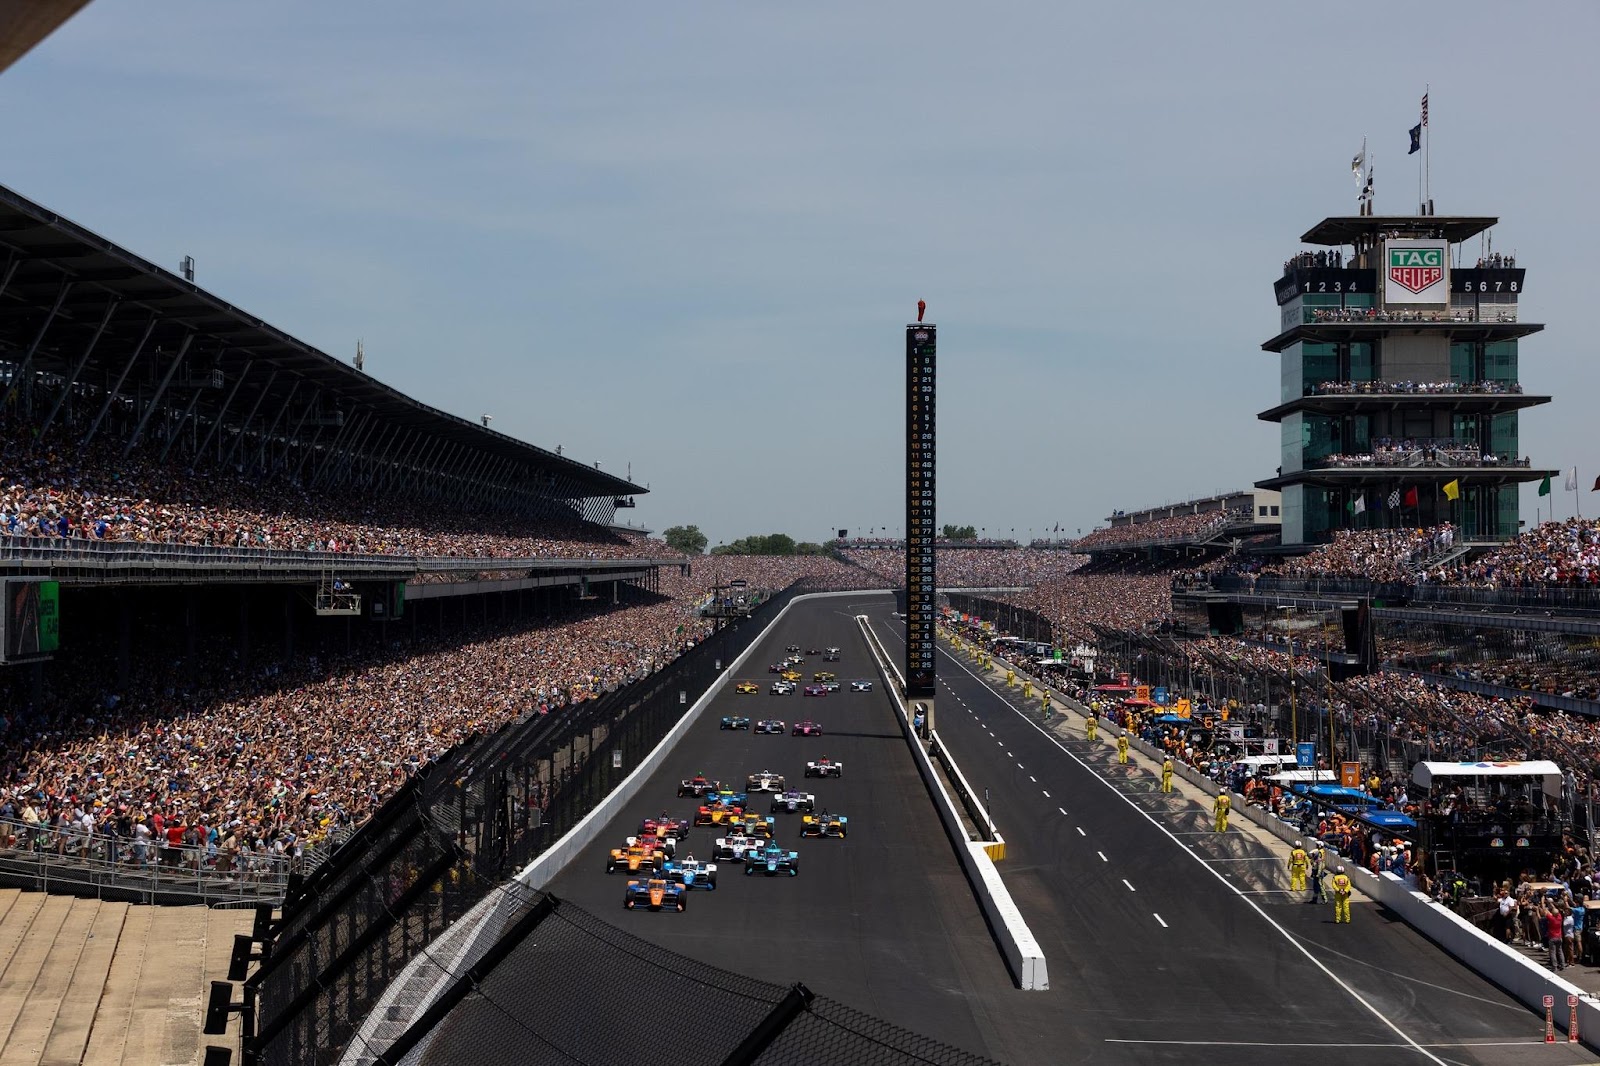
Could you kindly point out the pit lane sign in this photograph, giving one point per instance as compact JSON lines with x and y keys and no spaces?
{"x":1416,"y":272}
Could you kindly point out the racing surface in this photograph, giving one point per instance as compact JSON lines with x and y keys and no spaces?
{"x":883,"y":920}
{"x":1169,"y":943}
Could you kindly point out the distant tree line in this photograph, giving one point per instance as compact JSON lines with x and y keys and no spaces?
{"x":690,"y":541}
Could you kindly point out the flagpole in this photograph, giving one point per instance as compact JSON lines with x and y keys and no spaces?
{"x":1427,"y":143}
{"x":1577,"y":502}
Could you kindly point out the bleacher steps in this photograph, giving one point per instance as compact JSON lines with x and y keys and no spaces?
{"x":75,"y":1013}
{"x":30,"y":953}
{"x":109,"y":1034}
{"x":164,"y":1023}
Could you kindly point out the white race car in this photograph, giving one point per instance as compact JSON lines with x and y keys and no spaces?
{"x":734,"y":848}
{"x":862,"y":685}
{"x":793,"y":800}
{"x":824,"y":768}
{"x":765,"y":781}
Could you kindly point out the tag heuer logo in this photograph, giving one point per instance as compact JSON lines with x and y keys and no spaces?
{"x":1416,"y":269}
{"x":920,"y":336}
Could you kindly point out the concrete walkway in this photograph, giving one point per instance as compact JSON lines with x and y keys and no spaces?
{"x":109,"y":984}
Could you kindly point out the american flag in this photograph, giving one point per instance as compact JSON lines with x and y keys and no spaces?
{"x":1424,"y":109}
{"x":1394,"y":498}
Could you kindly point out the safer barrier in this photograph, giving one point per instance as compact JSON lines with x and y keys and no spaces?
{"x":1024,"y":956}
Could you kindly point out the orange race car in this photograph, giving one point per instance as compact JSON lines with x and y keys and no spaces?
{"x":634,"y":858}
{"x":656,"y":894}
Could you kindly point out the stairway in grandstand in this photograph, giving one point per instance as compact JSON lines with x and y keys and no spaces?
{"x":83,"y":981}
{"x":1444,"y":557}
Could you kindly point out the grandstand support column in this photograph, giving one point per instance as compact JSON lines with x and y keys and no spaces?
{"x":183,"y":420}
{"x":21,"y":373}
{"x":357,"y":427}
{"x":116,"y":389}
{"x":124,"y":639}
{"x":288,"y":625}
{"x":403,"y":460}
{"x":161,"y":390}
{"x":77,"y":369}
{"x":307,"y":449}
{"x":216,"y":420}
{"x":371,"y":459}
{"x":466,"y":477}
{"x":333,"y":446}
{"x":293,"y":435}
{"x":244,"y":427}
{"x":348,"y":467}
{"x":423,"y":476}
{"x":266,"y":438}
{"x":244,"y":631}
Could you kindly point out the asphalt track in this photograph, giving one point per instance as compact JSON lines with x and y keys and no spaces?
{"x":883,"y":920}
{"x":1169,"y":943}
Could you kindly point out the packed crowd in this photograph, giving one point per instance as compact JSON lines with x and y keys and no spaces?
{"x":974,"y":567}
{"x":1508,"y":313}
{"x":1176,"y":528}
{"x":817,"y":572}
{"x":52,"y":493}
{"x":1319,"y":258}
{"x":1553,"y":553}
{"x":1076,"y":603}
{"x":277,"y":758}
{"x":1420,"y":388}
{"x":1373,"y":554}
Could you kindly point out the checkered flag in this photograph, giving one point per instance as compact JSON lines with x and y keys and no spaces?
{"x":1394,"y":498}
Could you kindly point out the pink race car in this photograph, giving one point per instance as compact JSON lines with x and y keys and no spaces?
{"x":807,"y":728}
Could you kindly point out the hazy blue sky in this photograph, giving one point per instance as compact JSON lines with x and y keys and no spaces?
{"x":687,"y":236}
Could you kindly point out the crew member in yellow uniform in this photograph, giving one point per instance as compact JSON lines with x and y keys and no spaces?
{"x":1299,"y":863}
{"x":1122,"y":749}
{"x":1341,"y":896}
{"x":1093,"y":726}
{"x":1166,"y":774}
{"x":1221,"y":808}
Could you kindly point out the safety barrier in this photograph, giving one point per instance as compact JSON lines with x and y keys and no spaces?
{"x":1024,"y":956}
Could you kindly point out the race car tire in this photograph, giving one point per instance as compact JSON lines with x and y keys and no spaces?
{"x":748,"y":870}
{"x":611,"y":867}
{"x":628,"y":903}
{"x":683,"y":902}
{"x":794,"y":871}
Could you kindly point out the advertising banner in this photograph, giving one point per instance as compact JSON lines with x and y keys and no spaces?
{"x":1305,"y":756}
{"x":1416,"y":272}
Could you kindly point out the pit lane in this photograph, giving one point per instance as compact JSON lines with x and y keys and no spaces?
{"x":1153,"y":958}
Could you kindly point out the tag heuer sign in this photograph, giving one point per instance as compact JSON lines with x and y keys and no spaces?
{"x":1417,"y":272}
{"x":921,"y":336}
{"x":1416,"y":268}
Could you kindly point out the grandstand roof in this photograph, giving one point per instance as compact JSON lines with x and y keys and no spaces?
{"x":41,"y":253}
{"x":23,"y":25}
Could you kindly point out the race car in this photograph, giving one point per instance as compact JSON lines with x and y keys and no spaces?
{"x":812,"y":651}
{"x":657,"y":894}
{"x":831,"y":686}
{"x":790,"y":675}
{"x":665,"y":826}
{"x":777,"y":668}
{"x":772,"y":860}
{"x":807,"y":728}
{"x":661,"y":847}
{"x":733,"y":721}
{"x":814,"y":690}
{"x":831,"y":655}
{"x":735,"y":846}
{"x":781,"y":687}
{"x":793,"y":800}
{"x":752,"y":824}
{"x":718,"y":812}
{"x":792,"y":648}
{"x":691,"y":873}
{"x":765,"y":781}
{"x":633,"y":859}
{"x":823,"y":825}
{"x":823,"y":675}
{"x":747,"y":688}
{"x":698,"y":785}
{"x":861,"y":685}
{"x":769,"y":725}
{"x":824,"y":767}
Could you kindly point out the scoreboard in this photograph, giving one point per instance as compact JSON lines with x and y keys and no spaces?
{"x":921,"y":356}
{"x":30,"y":625}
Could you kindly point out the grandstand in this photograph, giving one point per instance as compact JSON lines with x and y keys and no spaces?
{"x":24,"y":25}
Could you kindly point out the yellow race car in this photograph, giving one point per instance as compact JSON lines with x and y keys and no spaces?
{"x":747,"y":688}
{"x":790,"y":675}
{"x":824,"y":675}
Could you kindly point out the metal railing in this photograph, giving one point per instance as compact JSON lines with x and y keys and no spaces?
{"x":1413,"y":388}
{"x":1316,"y":316}
{"x":1555,"y":598}
{"x":43,"y":857}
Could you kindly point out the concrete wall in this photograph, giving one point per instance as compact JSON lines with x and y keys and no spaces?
{"x":1022,"y":952}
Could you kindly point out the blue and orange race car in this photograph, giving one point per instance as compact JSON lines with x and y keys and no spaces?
{"x":657,"y":894}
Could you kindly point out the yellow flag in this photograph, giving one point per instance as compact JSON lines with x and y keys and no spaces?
{"x":1452,"y":490}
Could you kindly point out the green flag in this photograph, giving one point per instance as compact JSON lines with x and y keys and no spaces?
{"x":1544,"y":486}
